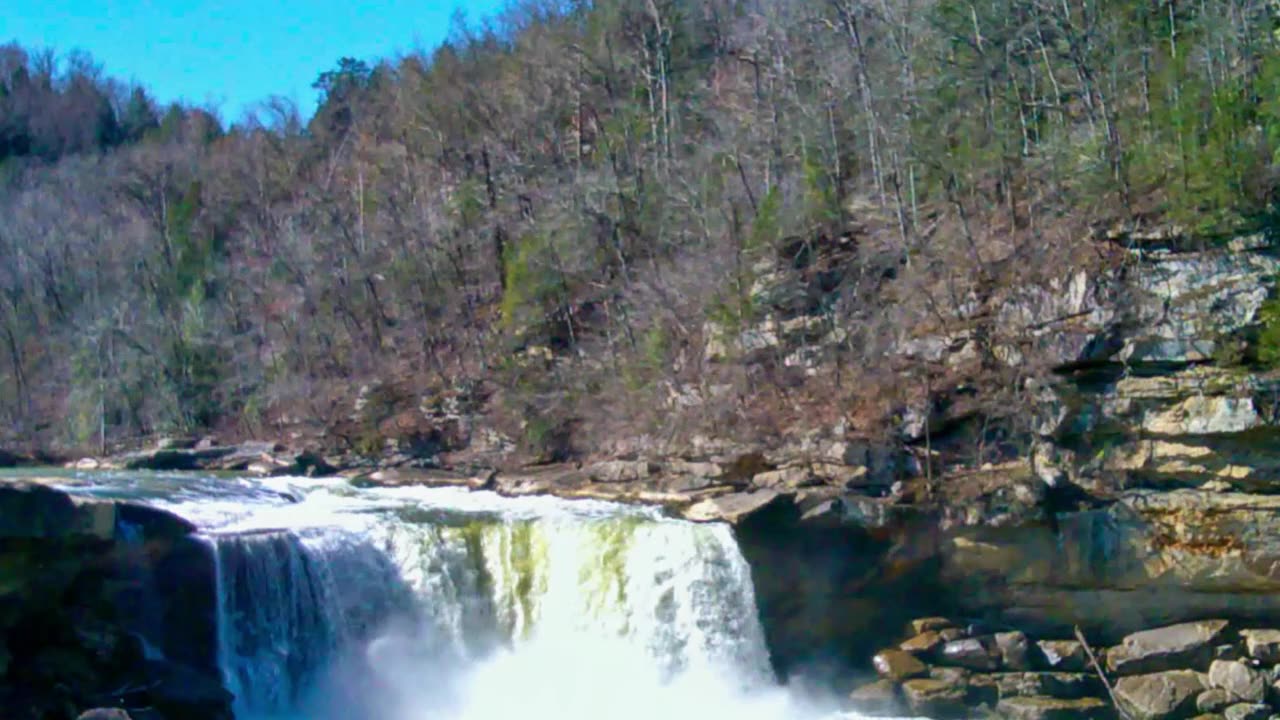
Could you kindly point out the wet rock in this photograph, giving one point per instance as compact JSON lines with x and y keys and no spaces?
{"x":1066,"y":686}
{"x":973,"y":653}
{"x":1046,"y":708}
{"x":104,"y":714}
{"x":1063,"y":655}
{"x":1247,"y":711}
{"x":879,"y":698}
{"x":1015,"y":650}
{"x":1160,"y":696}
{"x":1263,"y":645}
{"x":1213,"y":700}
{"x":179,"y":691}
{"x":1185,"y":645}
{"x":898,"y":665}
{"x":925,"y":644}
{"x":935,"y":698}
{"x":951,"y":634}
{"x":1241,"y":682}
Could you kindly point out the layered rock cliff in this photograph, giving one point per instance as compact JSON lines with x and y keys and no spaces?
{"x":104,"y":603}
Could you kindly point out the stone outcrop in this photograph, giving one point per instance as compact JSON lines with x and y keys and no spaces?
{"x":103,"y":601}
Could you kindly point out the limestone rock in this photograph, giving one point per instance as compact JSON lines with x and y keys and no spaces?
{"x":1015,"y":650}
{"x":1241,"y":682}
{"x":898,"y":665}
{"x":1064,"y":655}
{"x":924,"y":644}
{"x":935,"y":698}
{"x":1263,"y":645}
{"x":1185,"y":645}
{"x":614,"y":471}
{"x":1213,"y":700}
{"x":788,"y":478}
{"x":973,"y":653}
{"x":1162,"y":695}
{"x":877,"y":698}
{"x":731,"y":508}
{"x":1247,"y":711}
{"x":1046,"y":708}
{"x":1066,"y":686}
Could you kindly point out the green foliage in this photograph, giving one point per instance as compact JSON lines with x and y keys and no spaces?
{"x":1268,"y":347}
{"x":533,"y":283}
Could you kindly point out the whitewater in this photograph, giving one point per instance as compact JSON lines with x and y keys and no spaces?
{"x":336,"y":601}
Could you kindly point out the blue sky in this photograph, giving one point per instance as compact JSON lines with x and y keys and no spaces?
{"x":232,"y":53}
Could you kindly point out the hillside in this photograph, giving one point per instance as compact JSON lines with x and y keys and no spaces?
{"x":647,"y":227}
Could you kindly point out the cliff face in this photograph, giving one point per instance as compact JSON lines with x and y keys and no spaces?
{"x":1147,"y":495}
{"x":1142,"y":489}
{"x":104,"y":604}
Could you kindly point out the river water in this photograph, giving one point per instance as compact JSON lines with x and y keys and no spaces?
{"x":445,"y":604}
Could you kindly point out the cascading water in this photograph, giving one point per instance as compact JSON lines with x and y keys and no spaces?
{"x":419,"y":604}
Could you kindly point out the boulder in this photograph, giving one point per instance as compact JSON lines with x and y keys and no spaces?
{"x":1046,"y":708}
{"x":924,"y":625}
{"x":935,"y":698}
{"x":1064,"y":655}
{"x":1015,"y":650}
{"x":1213,"y":700}
{"x":978,"y":653}
{"x":1247,"y":711}
{"x":925,"y":644}
{"x":898,"y":665}
{"x":1160,"y":696}
{"x":104,"y":714}
{"x":877,"y":698}
{"x":1065,"y":686}
{"x":1263,"y":645}
{"x":1185,"y":645}
{"x":1242,"y":683}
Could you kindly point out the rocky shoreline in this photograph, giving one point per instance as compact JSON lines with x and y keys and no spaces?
{"x":1205,"y":669}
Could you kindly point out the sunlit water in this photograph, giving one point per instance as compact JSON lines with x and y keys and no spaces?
{"x":445,"y":604}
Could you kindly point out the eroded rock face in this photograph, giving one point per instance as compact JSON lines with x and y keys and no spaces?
{"x":88,"y":588}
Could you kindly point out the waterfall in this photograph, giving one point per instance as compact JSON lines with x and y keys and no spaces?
{"x":409,"y":615}
{"x":287,"y":602}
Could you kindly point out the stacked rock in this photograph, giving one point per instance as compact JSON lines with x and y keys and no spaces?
{"x":1199,"y":670}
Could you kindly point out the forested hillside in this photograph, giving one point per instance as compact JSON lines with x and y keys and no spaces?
{"x":590,"y":221}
